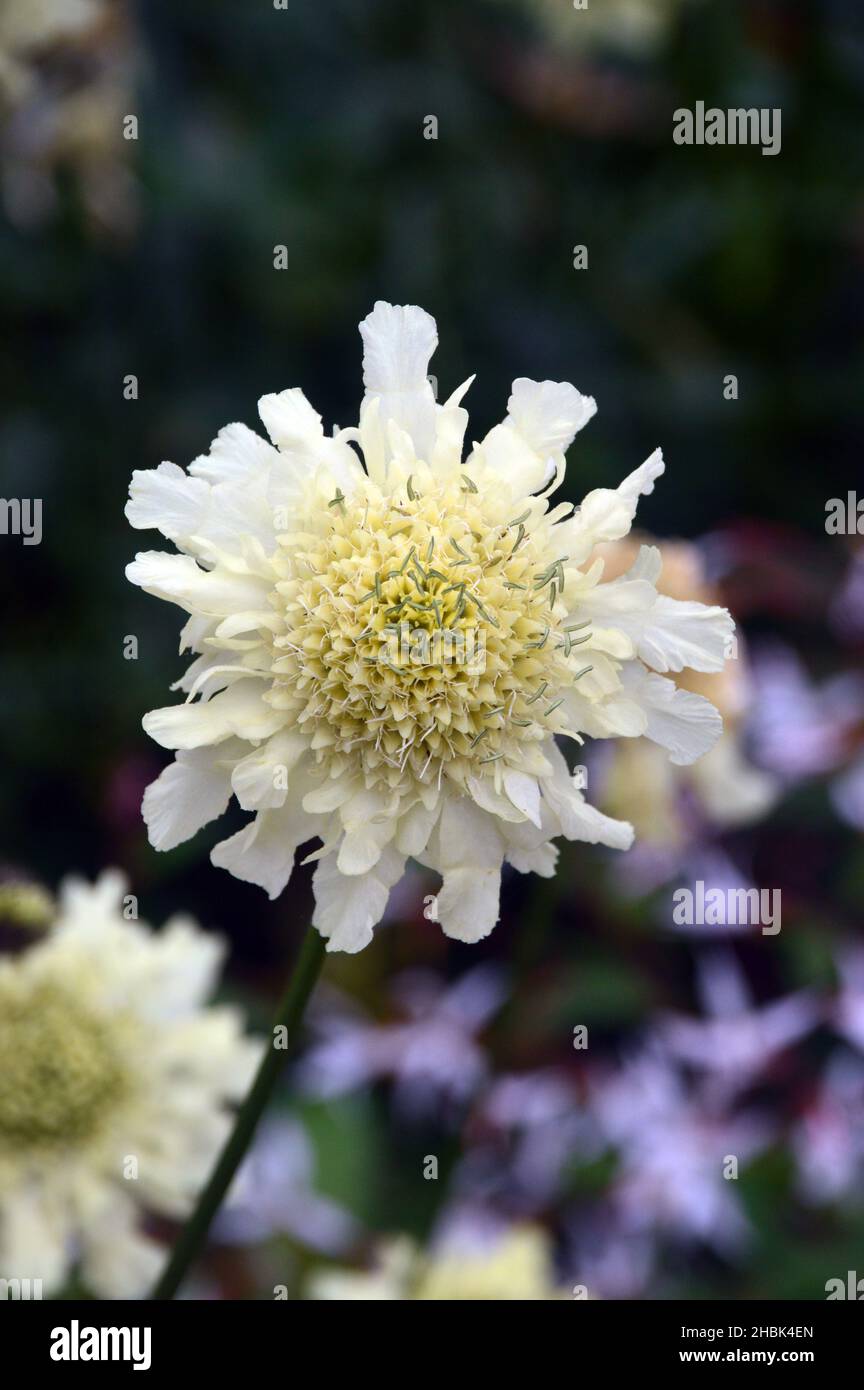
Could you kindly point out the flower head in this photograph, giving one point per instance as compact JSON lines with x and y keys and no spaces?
{"x":388,"y":641}
{"x":113,"y":1089}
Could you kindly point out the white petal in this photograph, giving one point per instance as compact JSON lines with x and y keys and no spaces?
{"x":261,"y":779}
{"x":415,"y":827}
{"x":361,"y":847}
{"x":211,"y":593}
{"x":469,"y":855}
{"x":236,"y":455}
{"x":607,"y":514}
{"x":192,"y":791}
{"x":513,"y":460}
{"x":238,"y":512}
{"x":541,"y":860}
{"x":398,"y":341}
{"x":548,"y":414}
{"x":238,"y":710}
{"x":668,"y":633}
{"x":119,"y":1261}
{"x":294,"y":424}
{"x":648,"y":565}
{"x":579,"y":820}
{"x":451,"y":422}
{"x":198,"y":517}
{"x":530,"y":848}
{"x":468,"y":902}
{"x":616,"y":716}
{"x":168,"y":499}
{"x":524,"y":792}
{"x":35,"y":1239}
{"x":291,"y":421}
{"x":263,"y":852}
{"x":483,"y":791}
{"x":684,"y":723}
{"x":681,"y":633}
{"x":542,"y":421}
{"x":347,"y":909}
{"x":330,"y":795}
{"x":370,"y":823}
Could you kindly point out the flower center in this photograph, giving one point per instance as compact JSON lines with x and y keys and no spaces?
{"x":59,"y":1076}
{"x":424,"y":629}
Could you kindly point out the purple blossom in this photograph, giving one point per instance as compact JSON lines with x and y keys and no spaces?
{"x":800,"y":728}
{"x":431,"y":1053}
{"x":673,"y":1150}
{"x":273,"y":1194}
{"x":828,"y":1141}
{"x":736,"y":1040}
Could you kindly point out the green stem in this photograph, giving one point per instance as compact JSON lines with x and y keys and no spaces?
{"x":289,"y":1015}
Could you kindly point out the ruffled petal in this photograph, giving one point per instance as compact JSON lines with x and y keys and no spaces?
{"x":685,"y":724}
{"x":548,"y":414}
{"x":468,"y":854}
{"x":296,"y":427}
{"x":239,"y":710}
{"x":668,"y":634}
{"x":237,"y":455}
{"x":192,"y":791}
{"x":542,"y":421}
{"x":210,"y":593}
{"x":606,"y":514}
{"x":578,"y":819}
{"x":398,"y":342}
{"x":263,"y":851}
{"x":348,"y":908}
{"x":261,"y":779}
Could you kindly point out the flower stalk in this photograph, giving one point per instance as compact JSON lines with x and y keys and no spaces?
{"x":289,"y":1017}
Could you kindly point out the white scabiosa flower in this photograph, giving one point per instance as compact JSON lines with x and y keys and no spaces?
{"x":114,"y":1086}
{"x":305,"y":562}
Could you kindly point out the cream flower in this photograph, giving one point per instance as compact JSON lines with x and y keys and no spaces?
{"x":113,"y":1090}
{"x":301,"y":569}
{"x":515,"y":1266}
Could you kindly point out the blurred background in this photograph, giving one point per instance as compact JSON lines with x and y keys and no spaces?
{"x":153,"y":257}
